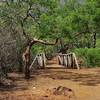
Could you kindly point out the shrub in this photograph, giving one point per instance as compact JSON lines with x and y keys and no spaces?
{"x":91,"y":56}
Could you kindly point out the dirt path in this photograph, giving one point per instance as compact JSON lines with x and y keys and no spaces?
{"x":85,"y":83}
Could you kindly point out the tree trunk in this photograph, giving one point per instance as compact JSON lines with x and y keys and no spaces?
{"x":27,"y":71}
{"x":94,"y":40}
{"x":26,"y":54}
{"x":26,"y":59}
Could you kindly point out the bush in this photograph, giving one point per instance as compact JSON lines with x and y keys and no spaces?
{"x":91,"y":56}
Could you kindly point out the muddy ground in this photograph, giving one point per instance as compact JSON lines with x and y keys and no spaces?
{"x":84,"y":82}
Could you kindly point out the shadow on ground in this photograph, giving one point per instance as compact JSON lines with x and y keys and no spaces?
{"x":90,"y":79}
{"x":18,"y":83}
{"x":82,"y":78}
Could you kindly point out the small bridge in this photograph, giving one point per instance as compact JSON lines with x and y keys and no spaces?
{"x":67,"y":60}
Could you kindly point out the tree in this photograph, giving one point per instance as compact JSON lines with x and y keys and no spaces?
{"x":74,"y":22}
{"x":26,"y":54}
{"x":26,"y":14}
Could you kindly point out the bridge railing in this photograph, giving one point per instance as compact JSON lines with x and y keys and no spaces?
{"x":68,"y":60}
{"x":41,"y":61}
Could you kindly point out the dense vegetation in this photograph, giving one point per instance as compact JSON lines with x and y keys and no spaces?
{"x":75,"y":22}
{"x":90,"y":56}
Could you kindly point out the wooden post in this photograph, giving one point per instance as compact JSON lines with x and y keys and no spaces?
{"x":65,"y":60}
{"x":57,"y":59}
{"x":72,"y":61}
{"x":44,"y":61}
{"x":40,"y":60}
{"x":68,"y":61}
{"x":60,"y":59}
{"x":32,"y":63}
{"x":76,"y":62}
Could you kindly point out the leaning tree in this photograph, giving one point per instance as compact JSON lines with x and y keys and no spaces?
{"x":26,"y":54}
{"x":31,"y":41}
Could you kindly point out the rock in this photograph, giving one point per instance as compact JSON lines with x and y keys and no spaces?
{"x":61,"y":91}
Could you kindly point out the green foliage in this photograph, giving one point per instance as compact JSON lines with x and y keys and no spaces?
{"x":53,"y":20}
{"x":98,"y":43}
{"x":91,"y":56}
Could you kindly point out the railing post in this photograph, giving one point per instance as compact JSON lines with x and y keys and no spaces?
{"x":65,"y":60}
{"x":32,"y":63}
{"x":44,"y":60}
{"x":76,"y":62}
